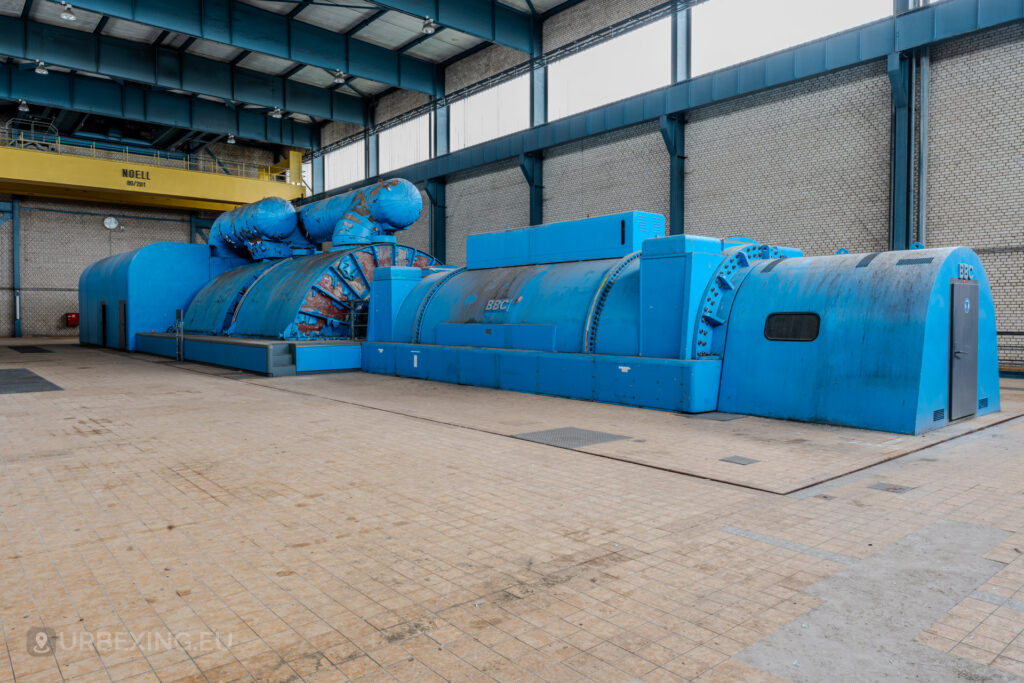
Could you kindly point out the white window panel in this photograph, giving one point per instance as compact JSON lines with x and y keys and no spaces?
{"x":404,"y":144}
{"x":727,"y":32}
{"x":490,"y":113}
{"x":345,"y":165}
{"x":633,"y":63}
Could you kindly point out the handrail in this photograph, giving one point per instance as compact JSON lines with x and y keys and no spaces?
{"x":54,"y":144}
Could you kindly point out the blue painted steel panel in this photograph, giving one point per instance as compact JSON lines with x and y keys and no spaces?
{"x":670,"y":325}
{"x":327,"y":357}
{"x":295,"y":298}
{"x":881,"y":358}
{"x":157,"y":345}
{"x":612,"y":236}
{"x":154,"y":281}
{"x":240,"y":356}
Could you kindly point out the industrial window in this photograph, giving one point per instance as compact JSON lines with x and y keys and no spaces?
{"x":627,"y":65}
{"x":345,"y":165}
{"x":792,"y":327}
{"x":405,"y":144}
{"x":727,"y":32}
{"x":490,"y":113}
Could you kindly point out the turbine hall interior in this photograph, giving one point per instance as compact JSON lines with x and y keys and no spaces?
{"x":607,"y":309}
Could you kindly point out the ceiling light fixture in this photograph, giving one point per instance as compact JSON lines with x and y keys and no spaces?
{"x":41,"y":68}
{"x":23,"y":106}
{"x":276,"y":113}
{"x":68,"y":13}
{"x":429,"y":26}
{"x":339,"y":77}
{"x":231,"y":138}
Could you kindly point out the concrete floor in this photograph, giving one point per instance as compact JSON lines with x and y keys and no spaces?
{"x":165,"y":521}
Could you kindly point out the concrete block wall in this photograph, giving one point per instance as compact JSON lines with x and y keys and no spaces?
{"x":58,"y":240}
{"x":476,"y":67}
{"x":624,"y":170}
{"x":590,"y":16}
{"x":488,"y":199}
{"x":976,"y":165}
{"x":806,"y":165}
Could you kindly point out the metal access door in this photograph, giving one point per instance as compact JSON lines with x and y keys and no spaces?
{"x":103,"y":323}
{"x":122,"y":324}
{"x":963,"y":349}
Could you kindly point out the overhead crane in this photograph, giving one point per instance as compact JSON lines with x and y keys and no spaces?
{"x":122,"y":176}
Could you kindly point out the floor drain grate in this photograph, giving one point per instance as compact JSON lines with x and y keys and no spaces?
{"x":570,"y":437}
{"x":739,"y":460}
{"x":22,"y":381}
{"x":891,"y":488}
{"x":719,"y":417}
{"x":29,"y":349}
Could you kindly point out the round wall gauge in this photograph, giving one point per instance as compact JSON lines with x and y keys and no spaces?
{"x":111,"y":223}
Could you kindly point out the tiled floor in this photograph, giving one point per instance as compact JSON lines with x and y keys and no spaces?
{"x":171,"y":522}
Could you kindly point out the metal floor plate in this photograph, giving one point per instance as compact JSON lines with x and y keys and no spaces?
{"x":570,"y":437}
{"x":22,"y":381}
{"x":29,"y":349}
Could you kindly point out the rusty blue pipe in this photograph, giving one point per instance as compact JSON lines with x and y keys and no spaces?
{"x":364,"y":215}
{"x":266,"y":229}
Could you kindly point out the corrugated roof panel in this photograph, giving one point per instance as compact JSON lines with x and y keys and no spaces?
{"x":11,"y":7}
{"x":266,"y":63}
{"x":130,"y":30}
{"x":175,"y":40}
{"x":367,"y":87}
{"x":49,"y":13}
{"x":392,"y":30}
{"x":339,"y":19}
{"x":276,"y":7}
{"x":313,"y":75}
{"x":444,"y":45}
{"x":520,"y":5}
{"x":218,"y":51}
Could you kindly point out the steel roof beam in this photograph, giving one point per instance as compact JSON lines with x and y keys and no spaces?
{"x":167,"y":67}
{"x":232,"y":22}
{"x":487,"y":19}
{"x":137,"y":103}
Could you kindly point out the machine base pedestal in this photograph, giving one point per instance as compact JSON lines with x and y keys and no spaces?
{"x":687,"y":386}
{"x":273,"y":357}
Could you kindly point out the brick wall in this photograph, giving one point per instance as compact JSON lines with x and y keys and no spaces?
{"x":58,"y":240}
{"x":806,"y":165}
{"x":476,"y":67}
{"x":624,"y":170}
{"x":976,"y":164}
{"x":590,"y":16}
{"x":489,"y":199}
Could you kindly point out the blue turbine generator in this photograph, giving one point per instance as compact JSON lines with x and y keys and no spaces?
{"x":608,"y":309}
{"x":276,"y":290}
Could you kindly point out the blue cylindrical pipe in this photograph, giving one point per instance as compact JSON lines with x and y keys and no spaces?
{"x":357,"y":217}
{"x":262,"y":229}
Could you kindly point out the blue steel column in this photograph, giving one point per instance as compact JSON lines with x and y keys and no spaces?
{"x":532,"y":164}
{"x":673,"y":126}
{"x":436,"y":194}
{"x":902,"y":153}
{"x":16,"y":253}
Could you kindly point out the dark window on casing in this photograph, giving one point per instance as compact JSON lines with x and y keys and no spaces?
{"x":792,"y":327}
